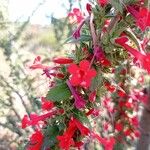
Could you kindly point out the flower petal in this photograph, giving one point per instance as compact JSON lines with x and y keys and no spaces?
{"x":73,"y":68}
{"x":84,"y":65}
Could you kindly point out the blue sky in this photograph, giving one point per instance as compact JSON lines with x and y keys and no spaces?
{"x":21,"y":9}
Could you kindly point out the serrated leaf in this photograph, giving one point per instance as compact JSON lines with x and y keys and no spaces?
{"x":59,"y":93}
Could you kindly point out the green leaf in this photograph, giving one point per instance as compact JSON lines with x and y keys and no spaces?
{"x":117,"y":4}
{"x":59,"y":93}
{"x":83,"y":38}
{"x":51,"y":132}
{"x":118,"y":146}
{"x":81,"y":116}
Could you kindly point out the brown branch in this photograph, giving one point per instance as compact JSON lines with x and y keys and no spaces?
{"x":15,"y":91}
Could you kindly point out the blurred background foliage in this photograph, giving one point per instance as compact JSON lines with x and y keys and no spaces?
{"x":20,"y":88}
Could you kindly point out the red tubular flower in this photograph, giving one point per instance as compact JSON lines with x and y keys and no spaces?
{"x":121,"y":93}
{"x":76,"y":33}
{"x":108,"y":143}
{"x":81,"y":75}
{"x":110,"y":87}
{"x":84,"y":130}
{"x":88,"y":8}
{"x":142,"y":17}
{"x":37,"y":64}
{"x":65,"y":141}
{"x":36,"y":141}
{"x":100,"y":56}
{"x":25,"y":121}
{"x":79,"y":101}
{"x":63,"y":61}
{"x":144,"y":59}
{"x":92,"y":96}
{"x":118,"y":127}
{"x":34,"y":118}
{"x":46,"y":104}
{"x":134,"y":121}
{"x":94,"y":112}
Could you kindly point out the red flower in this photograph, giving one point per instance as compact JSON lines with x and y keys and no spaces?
{"x":94,"y":112}
{"x":88,"y":8}
{"x":144,"y":59}
{"x":34,"y":118}
{"x":46,"y":104}
{"x":36,"y":141}
{"x":121,"y":93}
{"x":134,"y":121}
{"x":137,"y":133}
{"x":92,"y":96}
{"x":100,"y":56}
{"x":109,"y":143}
{"x":103,"y":2}
{"x":25,"y":121}
{"x":127,"y":132}
{"x":79,"y":101}
{"x":65,"y":141}
{"x":37,"y":64}
{"x":118,"y":127}
{"x":76,"y":33}
{"x":75,"y":16}
{"x":84,"y":130}
{"x":81,"y":75}
{"x":90,"y":112}
{"x":110,"y":87}
{"x":62,"y":60}
{"x":142,"y":17}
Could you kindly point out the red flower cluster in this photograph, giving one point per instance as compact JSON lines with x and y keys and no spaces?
{"x":79,"y":96}
{"x":66,"y":140}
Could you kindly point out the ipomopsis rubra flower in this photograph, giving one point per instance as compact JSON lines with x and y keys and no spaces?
{"x":143,"y":59}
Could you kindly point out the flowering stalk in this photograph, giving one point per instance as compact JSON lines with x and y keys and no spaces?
{"x":92,"y":89}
